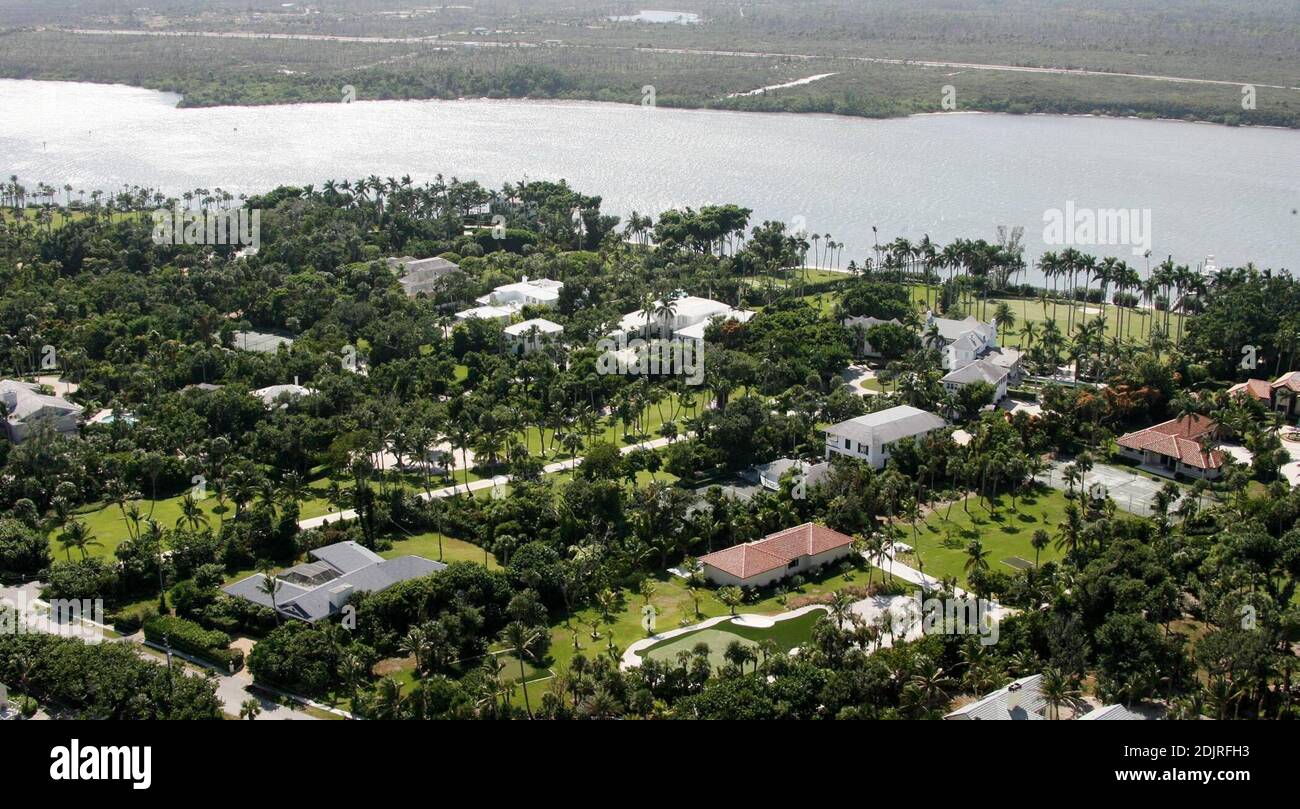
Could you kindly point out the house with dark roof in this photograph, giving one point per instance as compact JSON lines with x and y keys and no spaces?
{"x":318,"y":589}
{"x":797,"y":550}
{"x":1178,"y":447}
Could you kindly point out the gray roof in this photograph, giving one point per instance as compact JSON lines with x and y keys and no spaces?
{"x":977,"y":371}
{"x":952,"y":329}
{"x":24,"y":400}
{"x":813,"y":473}
{"x":422,"y":275}
{"x":1121,"y":712}
{"x":309,"y":592}
{"x":994,"y":706}
{"x":969,"y":341}
{"x":888,"y":425}
{"x":346,"y":556}
{"x":1004,"y":357}
{"x":260,"y":342}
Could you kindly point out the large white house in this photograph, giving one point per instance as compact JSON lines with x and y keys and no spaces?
{"x":530,"y":335}
{"x":872,"y":437}
{"x":537,"y":292}
{"x":421,"y":274}
{"x":24,"y":407}
{"x":686,"y":311}
{"x":960,"y":342}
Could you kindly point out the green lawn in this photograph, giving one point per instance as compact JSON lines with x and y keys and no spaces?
{"x":453,"y":550}
{"x":785,"y":634}
{"x":674,"y":608}
{"x":59,"y":217}
{"x":941,"y":540}
{"x":110,"y":528}
{"x":1137,"y":322}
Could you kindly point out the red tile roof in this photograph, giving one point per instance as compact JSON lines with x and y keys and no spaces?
{"x":776,"y":550}
{"x":1177,"y":438}
{"x":1259,"y":388}
{"x":1290,"y":381}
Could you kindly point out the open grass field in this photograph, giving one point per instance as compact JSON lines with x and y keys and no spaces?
{"x":941,"y":540}
{"x":449,"y":549}
{"x":58,"y":218}
{"x":1136,"y":326}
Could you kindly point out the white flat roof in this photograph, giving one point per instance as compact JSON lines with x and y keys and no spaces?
{"x":542,"y":325}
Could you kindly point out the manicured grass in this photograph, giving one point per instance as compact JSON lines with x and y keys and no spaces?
{"x":786,"y":634}
{"x":1136,"y":327}
{"x":674,"y":608}
{"x":111,"y":529}
{"x":58,"y":217}
{"x":673,"y":408}
{"x":941,"y":540}
{"x":452,"y":550}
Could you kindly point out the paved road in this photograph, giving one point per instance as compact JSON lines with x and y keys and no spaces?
{"x":232,"y":690}
{"x":479,"y":485}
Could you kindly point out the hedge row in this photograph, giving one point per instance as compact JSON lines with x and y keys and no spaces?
{"x":192,"y":639}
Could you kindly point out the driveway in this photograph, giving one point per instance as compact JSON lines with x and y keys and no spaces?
{"x":232,"y":690}
{"x":1291,"y":471}
{"x":856,"y":375}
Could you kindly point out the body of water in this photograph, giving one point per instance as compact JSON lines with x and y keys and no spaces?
{"x":1191,"y":190}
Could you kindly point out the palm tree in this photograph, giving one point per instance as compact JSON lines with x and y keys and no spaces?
{"x":730,"y":597}
{"x":1028,"y":331}
{"x":930,"y":682}
{"x":249,"y":709}
{"x":270,"y":585}
{"x":1040,"y":540}
{"x":414,"y":643}
{"x":841,"y":606}
{"x":75,"y":534}
{"x":1057,"y":690}
{"x":520,"y":639}
{"x":191,"y":513}
{"x":977,"y":558}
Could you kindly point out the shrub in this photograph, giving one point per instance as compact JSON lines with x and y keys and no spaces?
{"x":190,"y":638}
{"x":129,"y":621}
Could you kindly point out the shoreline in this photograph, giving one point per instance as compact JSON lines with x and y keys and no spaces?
{"x":181,"y":105}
